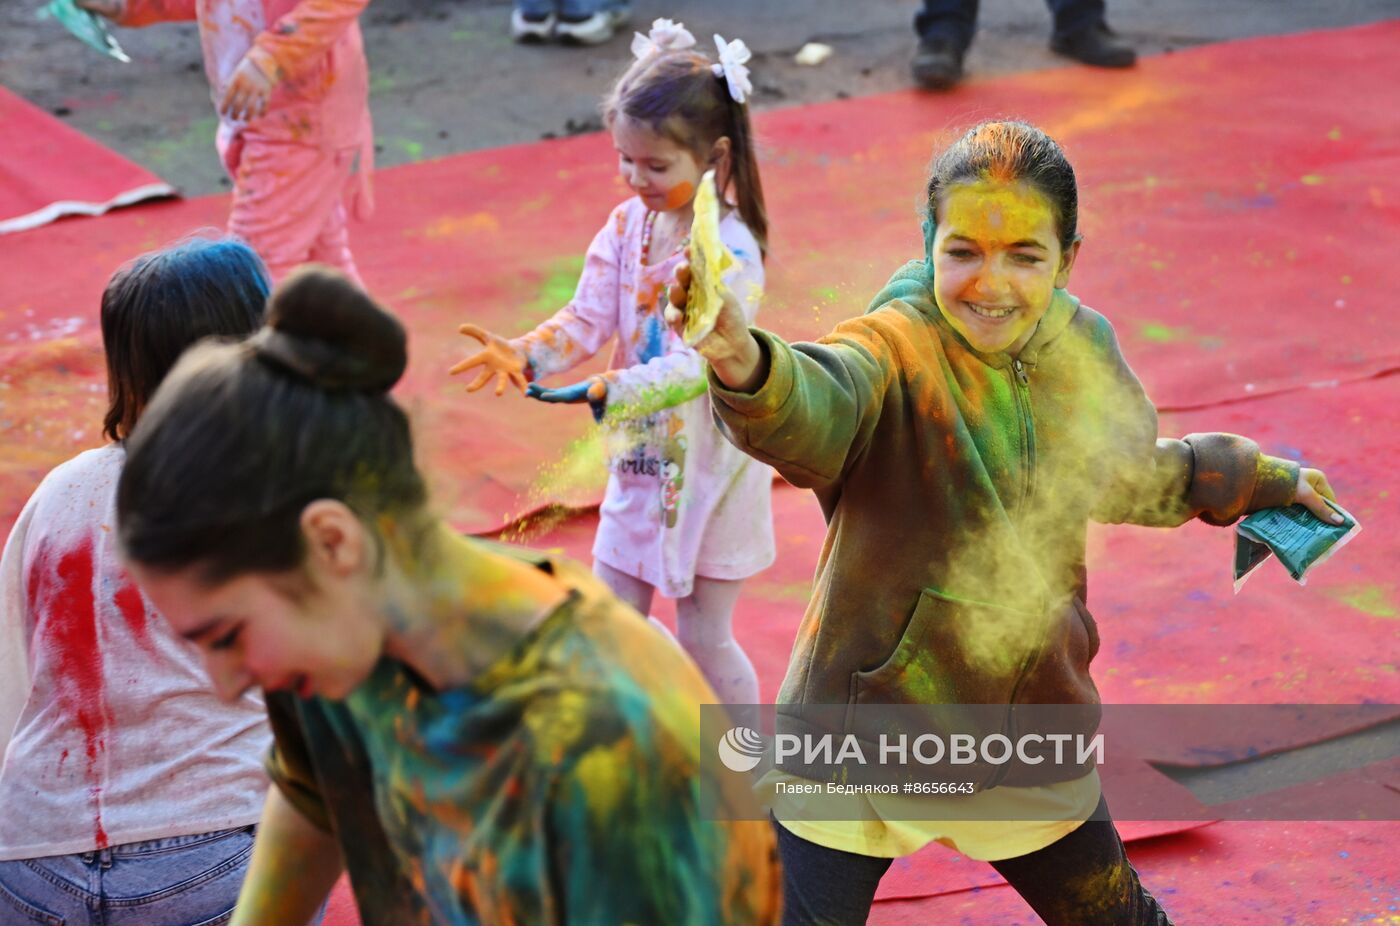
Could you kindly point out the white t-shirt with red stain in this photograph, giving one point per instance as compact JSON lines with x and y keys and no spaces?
{"x":109,"y":726}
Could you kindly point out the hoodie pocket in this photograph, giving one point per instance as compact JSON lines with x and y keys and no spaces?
{"x":953,"y":651}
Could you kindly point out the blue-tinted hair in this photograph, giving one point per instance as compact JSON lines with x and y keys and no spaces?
{"x":161,"y":303}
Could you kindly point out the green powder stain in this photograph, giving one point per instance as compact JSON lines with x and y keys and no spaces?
{"x":200,"y":133}
{"x":1313,"y":179}
{"x":1335,"y":134}
{"x":1374,"y":600}
{"x":560,"y":281}
{"x":561,"y":489}
{"x":652,"y":400}
{"x":1162,"y":334}
{"x":411,"y":148}
{"x":826,"y":294}
{"x":461,"y":35}
{"x":381,"y":82}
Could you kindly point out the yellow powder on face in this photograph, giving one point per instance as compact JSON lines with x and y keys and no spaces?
{"x":995,"y":222}
{"x":997,"y":214}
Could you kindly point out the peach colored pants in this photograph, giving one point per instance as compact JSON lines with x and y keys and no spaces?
{"x":289,"y":203}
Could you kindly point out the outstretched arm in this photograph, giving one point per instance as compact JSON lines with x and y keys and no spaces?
{"x":141,"y":12}
{"x":581,"y":328}
{"x":805,"y":409}
{"x":1216,"y":477}
{"x":575,"y":333}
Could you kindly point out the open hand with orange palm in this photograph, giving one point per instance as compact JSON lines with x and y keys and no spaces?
{"x":497,"y":359}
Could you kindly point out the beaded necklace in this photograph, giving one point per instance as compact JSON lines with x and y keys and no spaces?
{"x":647,"y":225}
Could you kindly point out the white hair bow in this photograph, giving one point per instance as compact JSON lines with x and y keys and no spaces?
{"x":733,"y":56}
{"x":665,"y":35}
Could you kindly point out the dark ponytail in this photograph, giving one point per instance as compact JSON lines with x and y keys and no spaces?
{"x":240,"y":438}
{"x":744,"y":182}
{"x":677,"y":95}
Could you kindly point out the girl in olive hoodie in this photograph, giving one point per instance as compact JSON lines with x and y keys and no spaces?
{"x":960,"y":436}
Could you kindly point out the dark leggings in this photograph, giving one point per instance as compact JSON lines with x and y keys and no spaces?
{"x":1083,"y":879}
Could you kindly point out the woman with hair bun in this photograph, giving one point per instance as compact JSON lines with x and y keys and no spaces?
{"x":534,"y":747}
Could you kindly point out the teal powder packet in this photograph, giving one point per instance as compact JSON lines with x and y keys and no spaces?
{"x":1294,"y":534}
{"x":87,"y":26}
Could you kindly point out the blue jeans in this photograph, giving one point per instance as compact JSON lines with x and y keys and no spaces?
{"x":571,"y":8}
{"x":179,"y":881}
{"x":957,"y":19}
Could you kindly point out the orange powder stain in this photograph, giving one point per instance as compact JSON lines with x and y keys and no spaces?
{"x":1108,"y":111}
{"x":455,"y":226}
{"x":679,"y":195}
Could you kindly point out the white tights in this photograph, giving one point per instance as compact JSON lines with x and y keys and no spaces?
{"x":705,"y":626}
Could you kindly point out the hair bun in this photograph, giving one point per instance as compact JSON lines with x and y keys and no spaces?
{"x":323,"y":328}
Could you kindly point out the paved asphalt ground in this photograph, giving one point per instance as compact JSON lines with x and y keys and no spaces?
{"x":446,"y":77}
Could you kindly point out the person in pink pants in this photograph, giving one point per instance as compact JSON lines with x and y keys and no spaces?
{"x":291,"y":85}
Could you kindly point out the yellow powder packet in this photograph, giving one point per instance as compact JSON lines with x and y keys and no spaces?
{"x":709,"y":259}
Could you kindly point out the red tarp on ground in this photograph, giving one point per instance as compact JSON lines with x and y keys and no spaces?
{"x":1174,"y":632}
{"x":1238,"y":204}
{"x":49,"y":170}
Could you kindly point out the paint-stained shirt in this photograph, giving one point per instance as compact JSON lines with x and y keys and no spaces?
{"x":312,"y":48}
{"x":681,"y":501}
{"x":958,"y":486}
{"x":562,"y":785}
{"x":109,"y":726}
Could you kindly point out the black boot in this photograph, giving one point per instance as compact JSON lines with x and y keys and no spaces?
{"x":938,"y":64}
{"x":1096,"y":45}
